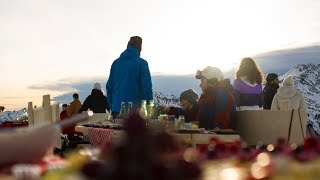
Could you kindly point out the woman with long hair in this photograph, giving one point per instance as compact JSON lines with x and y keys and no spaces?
{"x":248,"y":85}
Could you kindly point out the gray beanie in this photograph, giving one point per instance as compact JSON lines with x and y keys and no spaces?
{"x":189,"y":95}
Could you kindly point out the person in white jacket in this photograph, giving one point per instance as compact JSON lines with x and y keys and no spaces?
{"x":287,"y":97}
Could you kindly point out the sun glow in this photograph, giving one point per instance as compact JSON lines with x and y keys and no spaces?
{"x":51,"y":40}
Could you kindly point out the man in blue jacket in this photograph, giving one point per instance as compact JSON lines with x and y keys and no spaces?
{"x":129,"y":79}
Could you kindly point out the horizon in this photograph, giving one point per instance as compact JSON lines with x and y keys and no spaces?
{"x":166,"y":84}
{"x":45,"y":41}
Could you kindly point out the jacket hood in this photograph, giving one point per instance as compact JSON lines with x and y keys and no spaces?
{"x":96,"y":92}
{"x":288,"y":81}
{"x":287,"y":92}
{"x":130,"y":53}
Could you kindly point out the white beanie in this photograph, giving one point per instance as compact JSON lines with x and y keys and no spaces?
{"x":288,"y":81}
{"x":97,"y":86}
{"x":210,"y":73}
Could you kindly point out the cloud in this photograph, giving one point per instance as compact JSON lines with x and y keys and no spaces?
{"x":167,"y":84}
{"x":276,"y":61}
{"x":16,"y":97}
{"x":68,"y":84}
{"x":53,"y":86}
{"x":283,"y":60}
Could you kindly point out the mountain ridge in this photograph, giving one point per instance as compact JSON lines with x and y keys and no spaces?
{"x":307,"y":81}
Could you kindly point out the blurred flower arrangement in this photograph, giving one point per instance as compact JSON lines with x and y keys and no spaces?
{"x":147,"y":154}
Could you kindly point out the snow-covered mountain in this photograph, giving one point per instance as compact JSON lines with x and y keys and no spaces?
{"x":165,"y":87}
{"x":307,"y":80}
{"x":168,"y":88}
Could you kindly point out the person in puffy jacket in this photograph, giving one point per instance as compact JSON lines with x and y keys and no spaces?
{"x":288,"y":97}
{"x":129,"y":79}
{"x":96,"y":101}
{"x":216,"y":104}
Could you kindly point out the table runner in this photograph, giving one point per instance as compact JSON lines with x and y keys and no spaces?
{"x":99,"y":137}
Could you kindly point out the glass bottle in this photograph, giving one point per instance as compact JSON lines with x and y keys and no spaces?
{"x":151,"y":109}
{"x":143,"y":110}
{"x":130,"y":104}
{"x":122,"y":113}
{"x":181,"y":121}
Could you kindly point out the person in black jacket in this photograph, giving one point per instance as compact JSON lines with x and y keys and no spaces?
{"x":97,"y":101}
{"x":270,"y":90}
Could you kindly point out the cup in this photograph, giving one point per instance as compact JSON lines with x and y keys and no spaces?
{"x":171,"y":122}
{"x":163,"y":119}
{"x":187,"y":125}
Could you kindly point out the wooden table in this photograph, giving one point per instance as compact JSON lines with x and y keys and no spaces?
{"x":197,"y":139}
{"x":192,"y":138}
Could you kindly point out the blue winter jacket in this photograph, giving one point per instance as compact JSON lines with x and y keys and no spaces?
{"x":129,"y":80}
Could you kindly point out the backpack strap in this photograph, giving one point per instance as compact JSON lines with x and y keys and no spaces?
{"x":290,"y":125}
{"x":303,"y":135}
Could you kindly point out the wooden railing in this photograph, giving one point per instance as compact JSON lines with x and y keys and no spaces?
{"x":253,"y":126}
{"x":267,"y":126}
{"x":47,"y":113}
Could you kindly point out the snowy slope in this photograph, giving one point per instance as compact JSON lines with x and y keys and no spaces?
{"x":307,"y":80}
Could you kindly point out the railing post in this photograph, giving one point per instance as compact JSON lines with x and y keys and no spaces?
{"x":30,"y":114}
{"x":47,"y":107}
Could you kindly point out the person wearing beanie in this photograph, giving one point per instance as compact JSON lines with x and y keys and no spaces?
{"x":270,"y":90}
{"x":288,"y":97}
{"x":74,"y":106}
{"x":97,"y":86}
{"x":96,"y":101}
{"x":216,"y":104}
{"x":188,"y":101}
{"x":248,"y":85}
{"x":129,"y":78}
{"x":190,"y":96}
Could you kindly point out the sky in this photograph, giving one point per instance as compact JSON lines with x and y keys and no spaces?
{"x":44,"y":41}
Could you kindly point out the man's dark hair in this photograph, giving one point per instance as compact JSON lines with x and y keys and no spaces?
{"x":136,"y":42}
{"x":75,"y":95}
{"x":271,"y":77}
